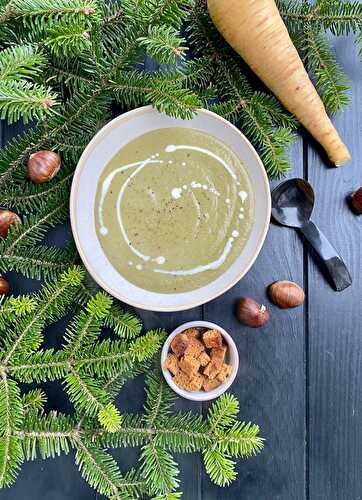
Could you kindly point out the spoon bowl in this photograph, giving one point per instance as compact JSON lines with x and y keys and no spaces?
{"x":292,"y":205}
{"x":293,"y":202}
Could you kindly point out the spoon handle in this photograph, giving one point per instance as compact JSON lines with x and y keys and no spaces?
{"x":336,"y":268}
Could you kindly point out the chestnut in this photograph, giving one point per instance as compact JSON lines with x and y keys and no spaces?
{"x":4,"y":286}
{"x":7,"y":218}
{"x":286,"y":294}
{"x":43,"y":166}
{"x":356,"y":201}
{"x":250,"y":313}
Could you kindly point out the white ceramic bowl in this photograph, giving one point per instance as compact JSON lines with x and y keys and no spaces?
{"x":232,"y":358}
{"x":99,"y":152}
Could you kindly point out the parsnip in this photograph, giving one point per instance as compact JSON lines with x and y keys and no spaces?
{"x":255,"y":29}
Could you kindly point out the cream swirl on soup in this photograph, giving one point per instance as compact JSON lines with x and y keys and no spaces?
{"x":173,"y":209}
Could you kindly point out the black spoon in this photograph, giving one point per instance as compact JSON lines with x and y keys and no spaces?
{"x":292,"y":205}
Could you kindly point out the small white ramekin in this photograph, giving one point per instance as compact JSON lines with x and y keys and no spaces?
{"x":232,"y":358}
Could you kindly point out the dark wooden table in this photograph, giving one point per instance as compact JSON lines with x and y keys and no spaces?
{"x":299,"y":378}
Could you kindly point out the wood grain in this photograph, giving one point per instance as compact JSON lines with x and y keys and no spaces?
{"x":335,"y":340}
{"x":299,"y":377}
{"x":270,"y":382}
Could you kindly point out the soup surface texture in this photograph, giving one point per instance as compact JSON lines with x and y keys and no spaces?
{"x":173,"y":210}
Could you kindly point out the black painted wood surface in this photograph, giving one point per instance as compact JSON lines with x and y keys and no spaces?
{"x":300,"y":376}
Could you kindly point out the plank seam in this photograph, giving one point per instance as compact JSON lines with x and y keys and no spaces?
{"x":306,"y":340}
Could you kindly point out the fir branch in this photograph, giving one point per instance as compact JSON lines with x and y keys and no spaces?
{"x":331,"y":82}
{"x":11,"y":417}
{"x":219,"y":467}
{"x":104,"y":358}
{"x":26,"y":100}
{"x":132,"y":433}
{"x":89,"y":397}
{"x":134,"y":88}
{"x":183,"y":433}
{"x":113,"y":383}
{"x":223,"y":412}
{"x":66,"y":40}
{"x":39,"y":262}
{"x":341,"y":18}
{"x":159,"y":398}
{"x":159,"y":469}
{"x":241,"y":440}
{"x":11,"y":309}
{"x":39,"y":12}
{"x":79,"y":117}
{"x":29,"y":197}
{"x":101,"y":471}
{"x":86,"y":326}
{"x":11,"y":458}
{"x":33,"y":401}
{"x":52,"y":303}
{"x":11,"y":408}
{"x":21,"y":61}
{"x":33,"y":228}
{"x":123,"y":323}
{"x":164,"y":44}
{"x":47,"y":435}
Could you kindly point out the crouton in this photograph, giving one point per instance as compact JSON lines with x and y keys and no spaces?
{"x":193,"y":383}
{"x":197,"y":360}
{"x":204,"y":358}
{"x":209,"y":385}
{"x":171,"y":364}
{"x":212,"y":338}
{"x":211,"y":370}
{"x":181,"y":380}
{"x":194,"y":347}
{"x":218,"y":356}
{"x":189,"y":365}
{"x":224,"y":372}
{"x":196,"y":382}
{"x":180,"y":344}
{"x":193,"y":332}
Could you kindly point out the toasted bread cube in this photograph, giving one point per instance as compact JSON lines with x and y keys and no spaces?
{"x":204,"y":358}
{"x":183,"y":381}
{"x":211,"y":370}
{"x":209,"y":385}
{"x":189,"y":365}
{"x":180,"y":344}
{"x":225,"y":372}
{"x":212,"y":338}
{"x":171,"y":364}
{"x":218,"y":356}
{"x":194,"y":348}
{"x":193,"y":332}
{"x":196,"y":382}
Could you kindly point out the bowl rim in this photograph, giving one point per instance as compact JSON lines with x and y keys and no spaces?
{"x":92,"y":271}
{"x":198,"y":395}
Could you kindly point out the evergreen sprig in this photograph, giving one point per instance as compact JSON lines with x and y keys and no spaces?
{"x":84,"y":363}
{"x":92,"y":371}
{"x":64,"y":63}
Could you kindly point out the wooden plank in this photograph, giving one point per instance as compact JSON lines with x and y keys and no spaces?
{"x":335,"y":340}
{"x":270,"y":383}
{"x":190,"y":464}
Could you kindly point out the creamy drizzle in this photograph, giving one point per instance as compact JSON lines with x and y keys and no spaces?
{"x":243,"y":196}
{"x":176,"y":193}
{"x":200,"y":269}
{"x":107,"y":184}
{"x":171,"y":148}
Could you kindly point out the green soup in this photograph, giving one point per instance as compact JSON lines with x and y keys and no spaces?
{"x":173,"y":210}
